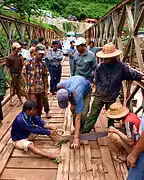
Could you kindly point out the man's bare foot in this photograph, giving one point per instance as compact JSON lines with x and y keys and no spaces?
{"x":48,"y":115}
{"x":19,"y":104}
{"x":11,"y":104}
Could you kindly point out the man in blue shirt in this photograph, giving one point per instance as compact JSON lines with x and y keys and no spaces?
{"x":109,"y":76}
{"x":55,"y":57}
{"x":77,"y":91}
{"x":71,"y":51}
{"x":93,"y":48}
{"x":25,"y":126}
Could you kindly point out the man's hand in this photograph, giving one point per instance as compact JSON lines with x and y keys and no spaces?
{"x":131,"y":160}
{"x":75,"y":144}
{"x":46,"y":91}
{"x":112,"y":129}
{"x":52,"y":132}
{"x":72,"y":108}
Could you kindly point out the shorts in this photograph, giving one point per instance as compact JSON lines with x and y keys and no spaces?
{"x":22,"y":144}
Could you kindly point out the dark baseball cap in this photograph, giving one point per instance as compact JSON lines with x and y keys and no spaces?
{"x":63,"y":97}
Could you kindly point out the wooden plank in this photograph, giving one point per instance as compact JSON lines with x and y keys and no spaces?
{"x":29,"y":174}
{"x":107,"y":162}
{"x":9,"y":120}
{"x":95,"y":153}
{"x":4,"y":141}
{"x":87,"y":158}
{"x":4,"y":156}
{"x":17,"y":153}
{"x":31,"y":163}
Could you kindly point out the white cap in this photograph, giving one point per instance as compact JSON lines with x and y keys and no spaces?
{"x":16,"y":45}
{"x":80,"y":41}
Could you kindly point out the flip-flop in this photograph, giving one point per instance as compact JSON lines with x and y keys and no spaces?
{"x":57,"y":160}
{"x":61,"y":143}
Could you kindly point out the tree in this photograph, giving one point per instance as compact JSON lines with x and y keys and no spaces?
{"x":26,"y":7}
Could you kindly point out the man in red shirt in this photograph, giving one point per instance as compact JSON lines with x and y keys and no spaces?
{"x":130,"y":121}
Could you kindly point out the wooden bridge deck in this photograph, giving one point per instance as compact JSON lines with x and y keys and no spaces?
{"x":93,"y":161}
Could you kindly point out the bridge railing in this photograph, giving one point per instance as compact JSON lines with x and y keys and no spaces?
{"x":12,"y":29}
{"x":121,"y":26}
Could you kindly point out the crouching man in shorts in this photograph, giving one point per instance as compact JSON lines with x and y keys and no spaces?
{"x":27,"y":125}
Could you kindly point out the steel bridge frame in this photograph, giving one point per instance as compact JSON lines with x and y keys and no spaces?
{"x":109,"y":29}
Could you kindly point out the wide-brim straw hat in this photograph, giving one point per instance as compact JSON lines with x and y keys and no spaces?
{"x":117,"y":111}
{"x":108,"y":51}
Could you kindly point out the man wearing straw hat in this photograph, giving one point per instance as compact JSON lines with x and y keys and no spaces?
{"x":109,"y":76}
{"x":123,"y":141}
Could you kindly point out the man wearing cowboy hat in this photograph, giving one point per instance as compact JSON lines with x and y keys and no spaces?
{"x":109,"y":76}
{"x":131,"y":124}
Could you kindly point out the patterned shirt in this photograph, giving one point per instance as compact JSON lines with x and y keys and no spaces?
{"x":34,"y":71}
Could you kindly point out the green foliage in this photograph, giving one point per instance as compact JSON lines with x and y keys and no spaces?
{"x":82,"y":8}
{"x":79,"y":8}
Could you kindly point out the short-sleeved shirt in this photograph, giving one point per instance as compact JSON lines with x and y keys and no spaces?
{"x":83,"y":65}
{"x":78,"y":88}
{"x":109,"y":79}
{"x":94,"y":49}
{"x":132,"y":125}
{"x":55,"y":57}
{"x":71,"y":52}
{"x":14,"y":63}
{"x":34,"y":71}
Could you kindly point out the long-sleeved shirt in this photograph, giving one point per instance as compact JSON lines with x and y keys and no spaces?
{"x":109,"y":79}
{"x":83,"y":65}
{"x":23,"y":126}
{"x":55,"y":57}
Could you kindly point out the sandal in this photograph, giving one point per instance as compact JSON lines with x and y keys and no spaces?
{"x":61,"y":143}
{"x":57,"y":160}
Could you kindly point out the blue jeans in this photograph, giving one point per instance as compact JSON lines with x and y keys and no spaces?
{"x":55,"y":77}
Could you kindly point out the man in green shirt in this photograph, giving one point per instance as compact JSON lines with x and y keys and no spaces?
{"x":84,"y":60}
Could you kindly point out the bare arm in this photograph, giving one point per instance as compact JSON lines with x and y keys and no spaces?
{"x":139,"y":147}
{"x":76,"y":142}
{"x":124,"y":92}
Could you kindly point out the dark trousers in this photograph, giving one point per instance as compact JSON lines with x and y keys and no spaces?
{"x":55,"y":76}
{"x":38,"y":99}
{"x":1,"y":114}
{"x":96,"y":109}
{"x":46,"y":103}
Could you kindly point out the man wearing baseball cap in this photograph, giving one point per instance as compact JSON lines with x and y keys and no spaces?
{"x":109,"y":76}
{"x":35,"y":72}
{"x":77,"y":91}
{"x":84,"y":61}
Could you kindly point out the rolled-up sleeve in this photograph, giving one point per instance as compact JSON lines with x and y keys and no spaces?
{"x":131,"y":74}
